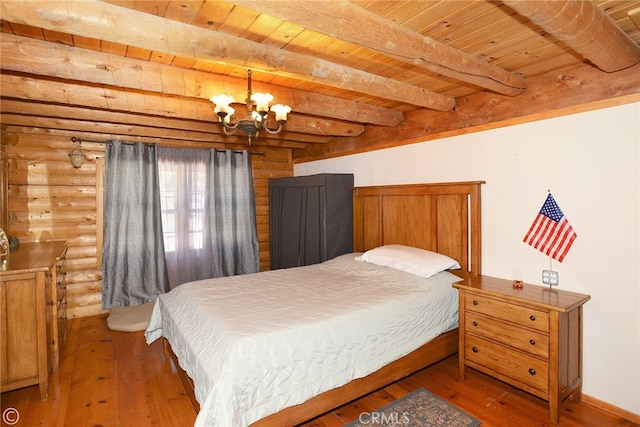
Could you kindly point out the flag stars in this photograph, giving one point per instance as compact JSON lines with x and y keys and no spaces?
{"x":551,"y":210}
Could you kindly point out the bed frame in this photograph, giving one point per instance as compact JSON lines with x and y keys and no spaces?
{"x":442,"y":217}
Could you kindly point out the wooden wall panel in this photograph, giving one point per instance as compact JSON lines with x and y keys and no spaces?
{"x":51,"y":200}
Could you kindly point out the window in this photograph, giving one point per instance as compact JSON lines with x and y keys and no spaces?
{"x":207,"y":209}
{"x":182,"y":199}
{"x":208,"y":213}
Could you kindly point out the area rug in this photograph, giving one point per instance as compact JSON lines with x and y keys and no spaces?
{"x":420,"y":408}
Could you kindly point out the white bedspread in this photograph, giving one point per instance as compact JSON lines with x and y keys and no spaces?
{"x":258,"y":343}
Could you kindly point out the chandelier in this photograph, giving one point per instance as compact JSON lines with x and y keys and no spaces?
{"x":255,"y":120}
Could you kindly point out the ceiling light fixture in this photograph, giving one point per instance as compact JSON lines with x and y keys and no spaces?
{"x":256,"y":120}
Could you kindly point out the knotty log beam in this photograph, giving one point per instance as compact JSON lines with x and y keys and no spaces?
{"x":67,"y":62}
{"x":87,"y":114}
{"x":583,"y":27}
{"x":561,"y":92}
{"x":127,"y":131}
{"x":98,"y":20}
{"x":337,"y":18}
{"x":30,"y":88}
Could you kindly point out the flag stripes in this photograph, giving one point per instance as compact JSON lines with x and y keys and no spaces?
{"x":550,"y":232}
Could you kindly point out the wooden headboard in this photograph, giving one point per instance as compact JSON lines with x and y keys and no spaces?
{"x":442,"y":217}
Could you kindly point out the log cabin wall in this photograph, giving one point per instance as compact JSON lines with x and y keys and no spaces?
{"x":51,"y":200}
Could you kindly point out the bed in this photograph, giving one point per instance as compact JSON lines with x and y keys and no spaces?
{"x":320,"y":336}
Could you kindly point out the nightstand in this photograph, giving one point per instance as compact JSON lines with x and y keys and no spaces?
{"x":529,"y":337}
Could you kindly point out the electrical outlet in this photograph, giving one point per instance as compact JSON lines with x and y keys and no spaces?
{"x":550,"y":277}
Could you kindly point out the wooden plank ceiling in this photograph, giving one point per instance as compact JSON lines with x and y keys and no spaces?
{"x":358,"y":75}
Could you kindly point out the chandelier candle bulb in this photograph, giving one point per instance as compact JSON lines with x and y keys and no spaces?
{"x":230,"y":112}
{"x":281,"y":112}
{"x":262,"y":101}
{"x":256,"y":116}
{"x":222,"y":103}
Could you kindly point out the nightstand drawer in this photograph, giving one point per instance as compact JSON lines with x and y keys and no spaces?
{"x":505,"y":361}
{"x":504,"y":310}
{"x":512,"y":335}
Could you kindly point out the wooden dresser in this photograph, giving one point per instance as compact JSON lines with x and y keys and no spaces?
{"x":32,"y":314}
{"x":529,"y":337}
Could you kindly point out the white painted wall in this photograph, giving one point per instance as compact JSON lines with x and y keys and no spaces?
{"x":590,"y":162}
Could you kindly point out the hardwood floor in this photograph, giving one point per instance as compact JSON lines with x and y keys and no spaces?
{"x":109,"y":378}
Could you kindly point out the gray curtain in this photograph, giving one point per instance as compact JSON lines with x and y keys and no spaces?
{"x":209,"y":213}
{"x":133,"y":263}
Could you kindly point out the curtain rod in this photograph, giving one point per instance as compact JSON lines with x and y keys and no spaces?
{"x":80,"y":140}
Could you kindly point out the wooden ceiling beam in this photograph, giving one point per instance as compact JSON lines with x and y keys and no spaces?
{"x":85,"y":114}
{"x":96,"y":19}
{"x":583,"y":27}
{"x":97,"y":138}
{"x":34,"y":89}
{"x":73,"y":63}
{"x":105,"y":127}
{"x":566,"y":91}
{"x":336,"y":19}
{"x":127,"y":131}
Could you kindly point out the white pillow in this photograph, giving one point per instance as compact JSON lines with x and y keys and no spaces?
{"x":412,"y":260}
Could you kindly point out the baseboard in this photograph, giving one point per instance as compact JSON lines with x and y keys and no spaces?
{"x":612,"y":409}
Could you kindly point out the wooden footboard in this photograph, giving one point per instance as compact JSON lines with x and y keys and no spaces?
{"x":437,"y":349}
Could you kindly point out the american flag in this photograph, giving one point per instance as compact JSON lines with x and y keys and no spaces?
{"x":550,"y":232}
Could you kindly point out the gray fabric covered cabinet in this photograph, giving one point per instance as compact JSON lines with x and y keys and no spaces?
{"x":310,"y":219}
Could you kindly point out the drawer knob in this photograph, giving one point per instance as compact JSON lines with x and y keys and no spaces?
{"x":532,"y":371}
{"x":475,"y":323}
{"x":533,"y":318}
{"x":532,"y":342}
{"x":475,"y":302}
{"x":474,"y":349}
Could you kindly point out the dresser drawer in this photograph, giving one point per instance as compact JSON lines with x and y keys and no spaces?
{"x":511,"y":363}
{"x":525,"y":316}
{"x":528,"y":340}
